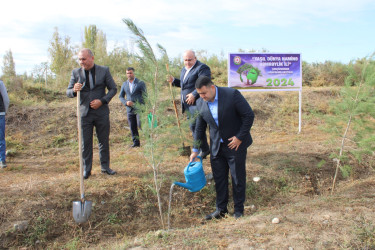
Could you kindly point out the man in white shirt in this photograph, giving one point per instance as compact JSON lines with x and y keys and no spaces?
{"x":133,"y":91}
{"x":189,"y":74}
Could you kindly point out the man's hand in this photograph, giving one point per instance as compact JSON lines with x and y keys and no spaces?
{"x":170,"y":79}
{"x":234,"y":143}
{"x":193,"y":156}
{"x":190,"y":99}
{"x":77,"y":87}
{"x":95,"y":104}
{"x":129,"y":103}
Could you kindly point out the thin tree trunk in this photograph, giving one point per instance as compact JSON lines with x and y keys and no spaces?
{"x":156,"y":166}
{"x":341,"y":150}
{"x":346,"y":131}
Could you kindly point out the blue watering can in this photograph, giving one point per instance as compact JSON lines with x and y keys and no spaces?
{"x":194,"y":176}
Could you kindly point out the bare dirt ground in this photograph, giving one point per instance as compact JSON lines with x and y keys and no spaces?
{"x":295,"y":171}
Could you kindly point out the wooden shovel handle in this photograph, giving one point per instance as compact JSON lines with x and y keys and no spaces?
{"x":176,"y":112}
{"x":175,"y":106}
{"x":80,"y":143}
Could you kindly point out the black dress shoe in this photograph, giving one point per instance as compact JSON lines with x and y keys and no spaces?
{"x":87,"y":174}
{"x":108,"y":171}
{"x":217,"y":215}
{"x":237,"y":215}
{"x":136,"y":145}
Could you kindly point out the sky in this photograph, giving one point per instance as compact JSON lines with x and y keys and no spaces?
{"x":321,"y":30}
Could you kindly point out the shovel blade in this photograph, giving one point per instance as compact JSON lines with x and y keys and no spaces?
{"x":81,"y":211}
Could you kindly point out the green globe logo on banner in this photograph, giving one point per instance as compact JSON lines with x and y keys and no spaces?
{"x":251,"y":73}
{"x":237,"y":60}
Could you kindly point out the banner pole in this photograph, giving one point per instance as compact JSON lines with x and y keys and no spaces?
{"x":300,"y":111}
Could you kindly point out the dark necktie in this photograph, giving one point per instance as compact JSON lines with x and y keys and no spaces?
{"x":91,"y":80}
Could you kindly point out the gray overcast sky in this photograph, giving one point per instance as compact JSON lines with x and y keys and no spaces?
{"x":320,"y":30}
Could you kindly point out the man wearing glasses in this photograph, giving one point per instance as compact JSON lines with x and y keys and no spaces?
{"x":189,"y":74}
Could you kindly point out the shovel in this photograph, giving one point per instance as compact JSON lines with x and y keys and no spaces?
{"x":185,"y":151}
{"x":82,"y":208}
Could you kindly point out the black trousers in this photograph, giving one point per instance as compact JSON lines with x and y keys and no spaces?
{"x":234,"y":161}
{"x":134,"y":123}
{"x":102,"y":127}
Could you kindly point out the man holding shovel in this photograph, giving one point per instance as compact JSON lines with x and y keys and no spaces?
{"x":230,"y":118}
{"x":91,"y":81}
{"x":189,"y":74}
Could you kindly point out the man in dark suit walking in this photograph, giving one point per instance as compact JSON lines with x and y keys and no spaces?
{"x":92,"y":81}
{"x":189,"y":74}
{"x":230,"y":118}
{"x":132,"y":91}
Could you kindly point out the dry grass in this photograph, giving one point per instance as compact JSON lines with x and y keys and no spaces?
{"x":321,"y":222}
{"x":42,"y":180}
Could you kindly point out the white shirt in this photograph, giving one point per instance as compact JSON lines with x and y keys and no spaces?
{"x":131,"y":85}
{"x":188,"y":70}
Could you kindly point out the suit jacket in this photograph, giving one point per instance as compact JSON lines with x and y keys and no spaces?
{"x":235,"y":118}
{"x":188,"y":84}
{"x":136,"y":95}
{"x":103,"y":80}
{"x":4,"y":99}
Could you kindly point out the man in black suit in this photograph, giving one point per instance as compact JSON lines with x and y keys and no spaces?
{"x":230,"y":118}
{"x":189,"y":74}
{"x":133,"y":90}
{"x":92,"y":81}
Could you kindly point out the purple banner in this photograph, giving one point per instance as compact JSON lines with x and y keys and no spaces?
{"x":257,"y":71}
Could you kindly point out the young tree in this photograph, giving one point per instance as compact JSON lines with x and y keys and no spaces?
{"x":158,"y":139}
{"x":354,"y":116}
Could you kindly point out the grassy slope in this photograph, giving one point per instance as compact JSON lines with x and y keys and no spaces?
{"x":296,"y":173}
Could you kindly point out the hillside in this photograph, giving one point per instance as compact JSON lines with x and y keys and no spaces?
{"x":295,"y":171}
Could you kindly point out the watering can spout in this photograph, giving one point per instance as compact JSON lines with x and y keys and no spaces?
{"x":184,"y":185}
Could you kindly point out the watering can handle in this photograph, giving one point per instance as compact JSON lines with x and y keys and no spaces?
{"x":191,"y":163}
{"x":200,"y":158}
